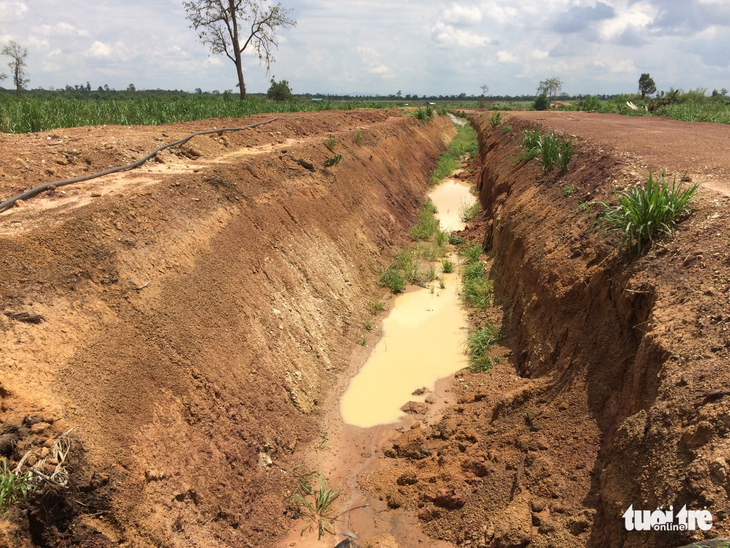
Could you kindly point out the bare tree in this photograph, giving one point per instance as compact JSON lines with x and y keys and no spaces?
{"x":17,"y":65}
{"x":231,"y":26}
{"x":550,"y":87}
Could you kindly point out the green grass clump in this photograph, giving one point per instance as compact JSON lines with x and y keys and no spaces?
{"x":376,"y":307}
{"x":568,"y":190}
{"x":477,"y":291}
{"x":471,"y":253}
{"x":367,"y":325}
{"x":644,"y":212}
{"x":468,"y":211}
{"x":314,"y":501}
{"x":13,"y":489}
{"x":428,"y":225}
{"x":357,"y":138}
{"x":464,"y":143}
{"x":330,"y":142}
{"x":333,"y":161}
{"x":478,"y":344}
{"x":506,"y":129}
{"x":447,"y":266}
{"x":495,"y":120}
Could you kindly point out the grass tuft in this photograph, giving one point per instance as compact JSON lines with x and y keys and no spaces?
{"x":644,"y":212}
{"x":13,"y":489}
{"x":314,"y":501}
{"x":478,"y":344}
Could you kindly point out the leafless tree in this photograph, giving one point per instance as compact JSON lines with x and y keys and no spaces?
{"x":17,"y":53}
{"x":231,"y":26}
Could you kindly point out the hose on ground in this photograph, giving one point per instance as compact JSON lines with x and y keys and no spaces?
{"x":41,"y":188}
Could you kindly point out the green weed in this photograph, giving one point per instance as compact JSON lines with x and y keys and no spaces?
{"x":447,"y":266}
{"x":586,"y":206}
{"x":330,"y":142}
{"x":441,"y":237}
{"x":568,"y":190}
{"x":495,"y":120}
{"x":565,"y":153}
{"x":456,"y":240}
{"x":393,"y":280}
{"x":367,"y":325}
{"x":13,"y":489}
{"x":468,"y":211}
{"x":471,"y":253}
{"x":357,"y":138}
{"x":362,"y":341}
{"x":428,"y":225}
{"x":333,"y":161}
{"x":478,"y":344}
{"x":314,"y":501}
{"x":642,"y":213}
{"x":376,"y":307}
{"x":506,"y":129}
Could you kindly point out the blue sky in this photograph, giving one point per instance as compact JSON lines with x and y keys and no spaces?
{"x":381,"y":46}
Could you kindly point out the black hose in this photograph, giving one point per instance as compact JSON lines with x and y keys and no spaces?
{"x":37,"y":190}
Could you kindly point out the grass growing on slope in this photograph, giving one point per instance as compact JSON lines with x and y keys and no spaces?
{"x":644,"y":212}
{"x":13,"y":489}
{"x":314,"y":501}
{"x":478,"y":344}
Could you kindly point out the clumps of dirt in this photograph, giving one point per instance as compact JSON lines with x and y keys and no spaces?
{"x":613,"y":390}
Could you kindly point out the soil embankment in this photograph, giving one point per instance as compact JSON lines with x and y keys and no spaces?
{"x":191,"y":315}
{"x":614,"y":387}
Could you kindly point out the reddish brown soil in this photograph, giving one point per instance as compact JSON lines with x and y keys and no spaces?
{"x":614,"y":390}
{"x":194,"y":315}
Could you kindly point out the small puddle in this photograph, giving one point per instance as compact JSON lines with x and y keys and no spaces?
{"x":423,"y":337}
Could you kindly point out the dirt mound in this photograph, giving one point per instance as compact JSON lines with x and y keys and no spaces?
{"x":613,"y":392}
{"x":194,"y":313}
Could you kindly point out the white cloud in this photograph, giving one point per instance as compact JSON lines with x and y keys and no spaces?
{"x":447,"y":36}
{"x":12,"y":10}
{"x":462,"y":16}
{"x":60,"y":29}
{"x":98,"y":50}
{"x":504,"y":56}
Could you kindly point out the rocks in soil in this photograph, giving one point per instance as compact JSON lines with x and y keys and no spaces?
{"x":7,"y":444}
{"x":450,"y":499}
{"x":415,"y":408}
{"x":382,"y":541}
{"x":419,"y":391}
{"x":412,"y":445}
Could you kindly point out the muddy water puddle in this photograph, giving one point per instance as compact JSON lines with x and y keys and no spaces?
{"x":421,"y":347}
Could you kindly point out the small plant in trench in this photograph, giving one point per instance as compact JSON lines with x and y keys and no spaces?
{"x":333,"y":161}
{"x":357,"y":138}
{"x":468,"y":211}
{"x":568,"y":190}
{"x":427,"y":225}
{"x":13,"y":489}
{"x":644,"y":212}
{"x":586,"y":206}
{"x":367,"y":325}
{"x":477,"y":291}
{"x":313,"y":499}
{"x":362,"y":341}
{"x":506,"y":129}
{"x":478,"y":344}
{"x":456,"y":240}
{"x":330,"y":142}
{"x":495,"y":120}
{"x":376,"y":307}
{"x":447,"y":266}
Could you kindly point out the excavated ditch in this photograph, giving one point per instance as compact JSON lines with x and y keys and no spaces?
{"x":198,"y":328}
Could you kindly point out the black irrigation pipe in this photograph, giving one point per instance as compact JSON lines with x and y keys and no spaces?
{"x":37,"y":190}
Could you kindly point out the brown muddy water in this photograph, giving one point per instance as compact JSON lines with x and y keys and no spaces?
{"x":422,"y":346}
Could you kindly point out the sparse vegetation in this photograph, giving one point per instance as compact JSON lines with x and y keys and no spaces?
{"x":424,"y":115}
{"x":333,"y":161}
{"x":468,"y":211}
{"x":362,"y":341}
{"x":367,"y":325}
{"x":376,"y":307}
{"x":314,"y":501}
{"x":568,"y":190}
{"x":330,"y":142}
{"x":357,"y":138}
{"x":465,"y":142}
{"x":478,"y":344}
{"x":477,"y":291}
{"x":506,"y":129}
{"x":644,"y":212}
{"x":586,"y":206}
{"x":495,"y":120}
{"x":13,"y":489}
{"x":428,"y":225}
{"x":447,"y":266}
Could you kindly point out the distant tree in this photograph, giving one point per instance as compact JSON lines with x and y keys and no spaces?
{"x":198,"y":90}
{"x":106,"y":87}
{"x":219,"y":26}
{"x":279,"y":91}
{"x":3,"y":76}
{"x":646,"y":85}
{"x":17,"y":54}
{"x":550,"y":87}
{"x":483,"y":97}
{"x":131,"y":87}
{"x":88,"y":86}
{"x":399,"y":94}
{"x":485,"y":89}
{"x":542,"y":102}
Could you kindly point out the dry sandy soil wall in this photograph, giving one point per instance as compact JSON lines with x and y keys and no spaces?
{"x":186,"y":319}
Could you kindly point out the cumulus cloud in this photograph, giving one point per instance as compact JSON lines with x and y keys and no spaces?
{"x":448,"y":36}
{"x":60,"y":29}
{"x":504,"y":56}
{"x":98,"y":50}
{"x":12,"y":10}
{"x":462,"y":15}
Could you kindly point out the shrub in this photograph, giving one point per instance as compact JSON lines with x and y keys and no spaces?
{"x":590,"y":103}
{"x":495,"y":120}
{"x":642,"y":213}
{"x":376,"y":307}
{"x":330,"y":142}
{"x":357,"y":138}
{"x":565,"y":153}
{"x":541,"y":102}
{"x":314,"y":504}
{"x":279,"y":91}
{"x":447,"y":266}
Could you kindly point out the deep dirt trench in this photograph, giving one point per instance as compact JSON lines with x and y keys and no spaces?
{"x":198,"y":319}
